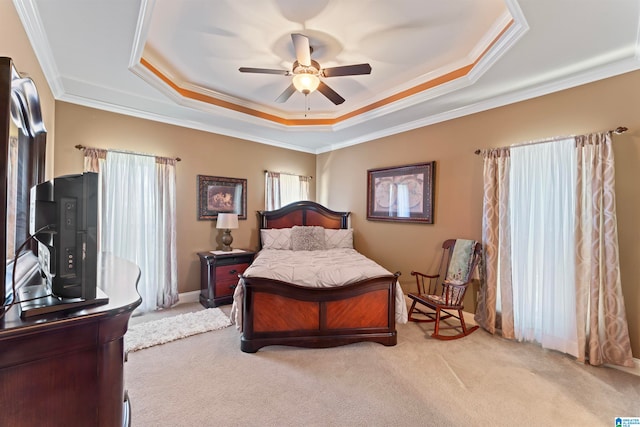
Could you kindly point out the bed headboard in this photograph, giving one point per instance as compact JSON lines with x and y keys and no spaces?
{"x":303,"y":213}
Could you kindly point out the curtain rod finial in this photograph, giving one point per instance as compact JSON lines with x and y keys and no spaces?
{"x":620,"y":129}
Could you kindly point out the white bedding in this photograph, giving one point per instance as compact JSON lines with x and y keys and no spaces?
{"x":326,"y":268}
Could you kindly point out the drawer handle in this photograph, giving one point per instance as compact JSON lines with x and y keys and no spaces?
{"x":233,"y":271}
{"x":232,"y":287}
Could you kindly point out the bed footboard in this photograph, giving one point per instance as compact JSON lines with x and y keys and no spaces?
{"x":280,"y":313}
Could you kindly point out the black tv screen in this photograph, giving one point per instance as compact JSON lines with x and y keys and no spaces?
{"x":64,"y":221}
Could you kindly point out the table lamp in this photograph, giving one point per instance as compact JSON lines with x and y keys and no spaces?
{"x":227,"y":221}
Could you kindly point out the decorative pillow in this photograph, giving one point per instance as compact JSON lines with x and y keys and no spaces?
{"x":338,"y":239}
{"x":276,"y":238}
{"x":310,"y":238}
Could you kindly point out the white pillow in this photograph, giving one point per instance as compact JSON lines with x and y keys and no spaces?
{"x":338,"y":239}
{"x":276,"y":238}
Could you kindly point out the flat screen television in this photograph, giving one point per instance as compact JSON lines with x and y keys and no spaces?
{"x":64,"y":221}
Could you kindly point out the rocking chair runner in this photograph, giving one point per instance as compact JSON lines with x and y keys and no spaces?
{"x":459,"y":259}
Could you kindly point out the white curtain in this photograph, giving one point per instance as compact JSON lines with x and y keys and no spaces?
{"x":138,"y":219}
{"x":282,"y":189}
{"x":542,"y":212}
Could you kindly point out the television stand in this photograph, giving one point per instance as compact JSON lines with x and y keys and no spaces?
{"x":36,"y":300}
{"x":66,"y":368}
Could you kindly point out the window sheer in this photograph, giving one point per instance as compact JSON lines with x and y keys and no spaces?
{"x":138,"y":219}
{"x":542,"y":240}
{"x":282,"y":189}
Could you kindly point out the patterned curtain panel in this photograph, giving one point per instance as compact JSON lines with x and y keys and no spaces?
{"x":495,"y":305}
{"x":603,"y":333}
{"x":167,"y":289}
{"x":92,"y":159}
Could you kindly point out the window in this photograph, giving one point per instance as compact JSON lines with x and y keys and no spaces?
{"x":12,"y":195}
{"x":283,"y":188}
{"x":18,"y":185}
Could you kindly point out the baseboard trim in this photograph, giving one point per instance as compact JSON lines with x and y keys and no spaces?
{"x":634,"y":371}
{"x":188,"y":297}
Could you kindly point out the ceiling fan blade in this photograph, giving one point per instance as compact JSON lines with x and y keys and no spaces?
{"x":303,"y":51}
{"x":330,"y":93}
{"x":263,"y":71}
{"x":347,"y":70}
{"x":286,"y":94}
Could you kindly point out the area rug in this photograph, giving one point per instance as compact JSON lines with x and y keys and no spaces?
{"x":173,"y":328}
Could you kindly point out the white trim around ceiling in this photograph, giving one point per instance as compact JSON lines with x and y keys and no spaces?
{"x":30,"y":18}
{"x":610,"y":70}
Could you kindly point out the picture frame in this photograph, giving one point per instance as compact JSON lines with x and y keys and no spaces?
{"x":401,"y":193}
{"x":218,"y":194}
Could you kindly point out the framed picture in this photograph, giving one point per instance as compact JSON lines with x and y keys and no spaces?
{"x":221,"y":195}
{"x":402,"y":193}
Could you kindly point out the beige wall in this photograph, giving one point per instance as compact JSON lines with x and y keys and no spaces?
{"x":458,"y":197}
{"x":201,"y":153}
{"x":15,"y":44}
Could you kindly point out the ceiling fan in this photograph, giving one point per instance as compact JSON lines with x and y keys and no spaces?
{"x":306,"y":72}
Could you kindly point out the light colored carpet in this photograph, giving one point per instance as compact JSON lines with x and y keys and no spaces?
{"x":480,"y":380}
{"x":167,"y":329}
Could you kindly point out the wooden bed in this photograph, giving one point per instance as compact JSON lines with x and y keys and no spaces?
{"x":280,"y":313}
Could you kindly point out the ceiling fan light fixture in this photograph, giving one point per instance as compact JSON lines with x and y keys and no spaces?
{"x":306,"y":73}
{"x":306,"y":82}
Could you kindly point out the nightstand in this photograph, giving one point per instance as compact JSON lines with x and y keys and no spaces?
{"x":219,"y":275}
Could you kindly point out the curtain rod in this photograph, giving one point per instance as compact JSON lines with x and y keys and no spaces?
{"x":287,"y":173}
{"x":619,"y":130}
{"x":82,"y":147}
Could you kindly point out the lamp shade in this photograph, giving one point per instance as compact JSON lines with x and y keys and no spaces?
{"x":306,"y":82}
{"x":227,"y":221}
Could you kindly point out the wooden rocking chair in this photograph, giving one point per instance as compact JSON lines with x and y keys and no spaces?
{"x":446,"y":295}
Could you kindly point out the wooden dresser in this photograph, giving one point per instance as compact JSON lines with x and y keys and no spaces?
{"x":219,"y":275}
{"x":67,"y":368}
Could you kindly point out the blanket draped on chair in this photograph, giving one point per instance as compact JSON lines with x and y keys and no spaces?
{"x":461,"y":261}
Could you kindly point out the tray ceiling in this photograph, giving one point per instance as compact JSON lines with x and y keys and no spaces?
{"x":177,"y":61}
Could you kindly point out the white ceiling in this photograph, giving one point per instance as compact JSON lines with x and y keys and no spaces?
{"x":177,"y":61}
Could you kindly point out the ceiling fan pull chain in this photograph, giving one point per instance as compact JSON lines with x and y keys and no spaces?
{"x":306,"y":104}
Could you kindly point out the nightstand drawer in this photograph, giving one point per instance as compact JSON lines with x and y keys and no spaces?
{"x":225,"y":272}
{"x":227,"y":278}
{"x":237,"y":259}
{"x":225,"y":288}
